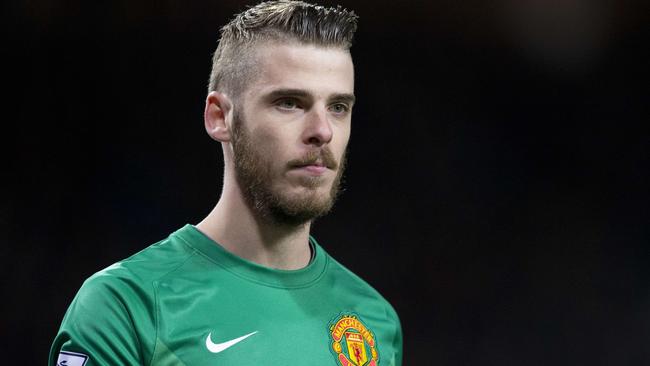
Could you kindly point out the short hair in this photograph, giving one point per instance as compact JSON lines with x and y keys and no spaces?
{"x":283,"y":21}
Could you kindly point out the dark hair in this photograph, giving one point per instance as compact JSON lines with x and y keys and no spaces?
{"x":279,"y":21}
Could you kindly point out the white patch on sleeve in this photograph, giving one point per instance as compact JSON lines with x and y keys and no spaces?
{"x":67,"y":358}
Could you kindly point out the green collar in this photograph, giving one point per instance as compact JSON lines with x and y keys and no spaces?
{"x":252,"y":271}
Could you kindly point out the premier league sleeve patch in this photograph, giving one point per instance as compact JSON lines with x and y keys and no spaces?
{"x":353,"y":344}
{"x":67,"y":358}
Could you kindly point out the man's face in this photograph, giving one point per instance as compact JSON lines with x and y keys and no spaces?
{"x":291,"y":129}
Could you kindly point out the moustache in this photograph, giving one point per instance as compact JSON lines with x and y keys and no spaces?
{"x":322,"y":157}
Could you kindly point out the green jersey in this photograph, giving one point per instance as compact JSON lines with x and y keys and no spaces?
{"x":188,"y":301}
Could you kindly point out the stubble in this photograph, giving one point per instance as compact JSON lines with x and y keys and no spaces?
{"x":254,"y":175}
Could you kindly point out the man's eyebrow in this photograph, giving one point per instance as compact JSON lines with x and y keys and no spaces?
{"x":300,"y":93}
{"x":279,"y":93}
{"x":344,"y":97}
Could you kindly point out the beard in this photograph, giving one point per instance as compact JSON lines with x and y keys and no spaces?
{"x":253,"y":169}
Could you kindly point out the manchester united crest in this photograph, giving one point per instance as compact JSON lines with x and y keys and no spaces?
{"x":352,"y":343}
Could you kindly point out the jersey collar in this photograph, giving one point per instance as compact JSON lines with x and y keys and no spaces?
{"x":252,"y":271}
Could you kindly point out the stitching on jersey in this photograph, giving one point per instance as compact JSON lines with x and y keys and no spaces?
{"x":156,"y":317}
{"x":308,"y":284}
{"x":154,"y":285}
{"x":135,"y":334}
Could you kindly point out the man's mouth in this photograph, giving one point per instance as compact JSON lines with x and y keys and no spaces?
{"x":314,"y":168}
{"x":316,"y":161}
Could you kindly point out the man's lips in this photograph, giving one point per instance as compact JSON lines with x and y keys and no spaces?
{"x":316,"y":168}
{"x":315,"y":162}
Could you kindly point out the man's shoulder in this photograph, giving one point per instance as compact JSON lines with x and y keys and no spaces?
{"x":117,"y":303}
{"x":144,"y":267}
{"x":348,"y":281}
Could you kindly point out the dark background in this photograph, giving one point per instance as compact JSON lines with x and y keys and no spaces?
{"x":497,"y":191}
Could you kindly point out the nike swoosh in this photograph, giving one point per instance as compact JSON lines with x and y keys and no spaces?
{"x":218,"y":347}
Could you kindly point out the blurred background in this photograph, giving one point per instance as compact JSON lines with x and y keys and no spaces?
{"x":497,"y":191}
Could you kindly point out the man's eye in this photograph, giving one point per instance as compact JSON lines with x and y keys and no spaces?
{"x":287,"y":104}
{"x":339,"y":108}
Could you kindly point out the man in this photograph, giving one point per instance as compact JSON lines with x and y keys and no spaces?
{"x":248,"y":285}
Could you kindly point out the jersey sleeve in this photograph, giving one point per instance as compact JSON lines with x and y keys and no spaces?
{"x":98,"y":327}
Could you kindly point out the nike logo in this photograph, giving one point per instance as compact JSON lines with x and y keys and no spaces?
{"x":219,"y":347}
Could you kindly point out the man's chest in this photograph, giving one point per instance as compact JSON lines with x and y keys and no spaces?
{"x":238,"y":326}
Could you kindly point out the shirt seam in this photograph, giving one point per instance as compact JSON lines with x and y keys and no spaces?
{"x":133,"y":328}
{"x":154,"y":285}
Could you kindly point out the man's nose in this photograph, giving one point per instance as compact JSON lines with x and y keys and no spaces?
{"x":318,"y":130}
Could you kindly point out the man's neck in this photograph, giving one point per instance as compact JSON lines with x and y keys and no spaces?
{"x":235,"y":227}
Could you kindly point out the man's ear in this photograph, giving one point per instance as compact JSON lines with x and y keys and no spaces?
{"x":218,"y":116}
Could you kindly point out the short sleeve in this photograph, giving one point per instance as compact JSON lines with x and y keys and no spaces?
{"x":98,"y":327}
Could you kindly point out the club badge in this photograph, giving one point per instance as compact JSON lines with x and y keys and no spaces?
{"x":352,"y":343}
